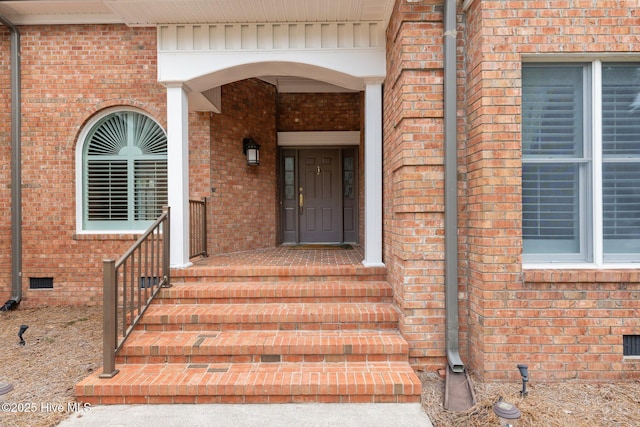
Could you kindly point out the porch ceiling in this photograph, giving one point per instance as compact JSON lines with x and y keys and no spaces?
{"x":154,"y":12}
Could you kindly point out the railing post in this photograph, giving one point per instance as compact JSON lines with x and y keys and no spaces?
{"x":109,"y":331}
{"x":204,"y":227}
{"x":166,"y":247}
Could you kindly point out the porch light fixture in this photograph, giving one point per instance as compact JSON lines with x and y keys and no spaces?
{"x":252,"y":150}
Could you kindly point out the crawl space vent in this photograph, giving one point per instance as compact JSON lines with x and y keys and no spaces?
{"x":631,"y":345}
{"x":40,"y":282}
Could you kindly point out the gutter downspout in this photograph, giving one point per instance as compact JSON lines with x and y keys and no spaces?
{"x":16,"y":170}
{"x":450,"y":187}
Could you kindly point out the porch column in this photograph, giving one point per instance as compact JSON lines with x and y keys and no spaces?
{"x":178,"y":173}
{"x":373,"y":175}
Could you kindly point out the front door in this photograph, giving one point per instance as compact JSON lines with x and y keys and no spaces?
{"x":320,"y":198}
{"x":318,"y":195}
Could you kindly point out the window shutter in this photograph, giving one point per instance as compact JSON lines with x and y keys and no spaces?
{"x":125,"y":172}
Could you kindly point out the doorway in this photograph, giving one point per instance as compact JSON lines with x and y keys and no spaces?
{"x":319,"y":195}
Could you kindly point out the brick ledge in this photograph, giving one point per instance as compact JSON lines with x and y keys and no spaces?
{"x":582,"y":276}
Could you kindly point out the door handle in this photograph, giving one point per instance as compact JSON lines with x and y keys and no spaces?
{"x":300,"y":200}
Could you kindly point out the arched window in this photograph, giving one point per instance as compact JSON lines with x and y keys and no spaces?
{"x":124,"y":172}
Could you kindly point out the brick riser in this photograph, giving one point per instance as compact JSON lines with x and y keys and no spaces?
{"x":264,"y":339}
{"x":266,"y":347}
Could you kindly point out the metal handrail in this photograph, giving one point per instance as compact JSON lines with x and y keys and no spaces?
{"x":198,"y":228}
{"x":130,"y":284}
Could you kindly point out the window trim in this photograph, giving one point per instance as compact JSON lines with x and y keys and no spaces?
{"x":593,"y":71}
{"x":80,"y":179}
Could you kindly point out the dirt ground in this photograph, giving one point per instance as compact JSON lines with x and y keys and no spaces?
{"x":64,"y":344}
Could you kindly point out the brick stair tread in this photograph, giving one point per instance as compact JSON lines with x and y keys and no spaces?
{"x":270,"y":291}
{"x":269,"y":313}
{"x":170,"y":343}
{"x":278,"y":272}
{"x":255,"y":379}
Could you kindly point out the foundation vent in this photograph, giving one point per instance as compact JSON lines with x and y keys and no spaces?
{"x":40,"y":282}
{"x":631,"y":345}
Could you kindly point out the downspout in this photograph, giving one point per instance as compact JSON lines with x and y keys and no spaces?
{"x":16,"y":171}
{"x":450,"y":188}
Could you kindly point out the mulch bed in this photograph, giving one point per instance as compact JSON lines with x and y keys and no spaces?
{"x":64,"y":344}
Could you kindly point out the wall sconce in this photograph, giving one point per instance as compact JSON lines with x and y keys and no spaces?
{"x":252,"y":150}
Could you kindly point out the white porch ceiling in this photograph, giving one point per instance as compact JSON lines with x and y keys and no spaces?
{"x":154,"y":12}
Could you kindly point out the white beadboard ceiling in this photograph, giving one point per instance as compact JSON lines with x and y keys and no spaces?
{"x":154,"y":12}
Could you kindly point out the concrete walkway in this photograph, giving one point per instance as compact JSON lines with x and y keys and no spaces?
{"x":289,"y":415}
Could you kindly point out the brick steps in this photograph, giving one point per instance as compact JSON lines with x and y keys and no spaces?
{"x":353,"y":382}
{"x":276,"y":292}
{"x":276,"y":316}
{"x":264,"y":346}
{"x":270,"y":274}
{"x":264,"y":335}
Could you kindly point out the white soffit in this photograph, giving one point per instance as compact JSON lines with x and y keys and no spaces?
{"x":155,"y":12}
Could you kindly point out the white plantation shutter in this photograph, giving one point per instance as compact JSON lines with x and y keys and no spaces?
{"x":554,"y":166}
{"x":125,"y":172}
{"x":621,"y":159}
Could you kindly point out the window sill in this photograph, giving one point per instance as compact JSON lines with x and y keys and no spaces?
{"x":580,"y":266}
{"x":132,"y":236}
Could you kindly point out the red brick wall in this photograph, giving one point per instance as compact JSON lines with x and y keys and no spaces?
{"x":318,"y":112}
{"x":413,"y":176}
{"x":563,"y":324}
{"x":68,"y":74}
{"x":243,"y":199}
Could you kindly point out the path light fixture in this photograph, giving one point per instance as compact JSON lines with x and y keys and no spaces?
{"x":22,"y":330}
{"x":252,"y":150}
{"x":507,"y":413}
{"x":4,"y":389}
{"x":524,"y":372}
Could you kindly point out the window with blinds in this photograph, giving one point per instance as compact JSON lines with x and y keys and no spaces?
{"x":621,"y":159}
{"x":580,"y":176}
{"x":125,"y":172}
{"x":553,"y":161}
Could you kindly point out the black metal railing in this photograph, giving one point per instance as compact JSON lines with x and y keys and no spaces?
{"x":130,"y":284}
{"x":197,"y":228}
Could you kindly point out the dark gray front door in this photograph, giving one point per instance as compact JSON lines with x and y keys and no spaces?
{"x":320,"y":196}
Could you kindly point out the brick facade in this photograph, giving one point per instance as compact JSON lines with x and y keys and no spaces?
{"x":68,"y":74}
{"x":243,"y":208}
{"x":414,"y":177}
{"x":299,"y":112}
{"x":563,"y":324}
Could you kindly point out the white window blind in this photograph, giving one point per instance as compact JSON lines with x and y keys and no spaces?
{"x":553,"y":160}
{"x":125,"y":172}
{"x":621,"y":159}
{"x":581,"y":163}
